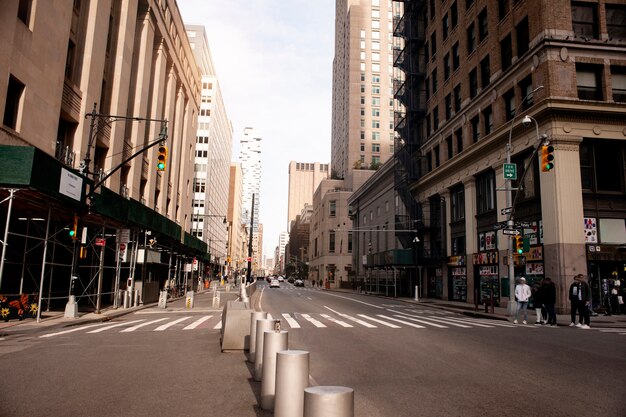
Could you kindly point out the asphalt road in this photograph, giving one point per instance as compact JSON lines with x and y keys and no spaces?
{"x":401,"y":359}
{"x":500,"y":370}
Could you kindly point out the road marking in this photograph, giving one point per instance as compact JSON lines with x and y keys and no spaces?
{"x":361,"y":322}
{"x":356,"y":301}
{"x":176,"y":311}
{"x":461,"y":320}
{"x":291,"y":321}
{"x":393,"y":326}
{"x":126,"y":323}
{"x":132,"y":329}
{"x":309,"y":298}
{"x":417,"y":326}
{"x":339,"y":322}
{"x":424,"y":321}
{"x":218,"y":326}
{"x":170,"y":324}
{"x":197,"y":323}
{"x":76,"y":329}
{"x":608,"y":330}
{"x":494,"y":323}
{"x":316,"y":323}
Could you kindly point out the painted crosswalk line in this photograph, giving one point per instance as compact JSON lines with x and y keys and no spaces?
{"x":218,"y":326}
{"x":428,"y":323}
{"x":334,"y":320}
{"x":461,"y":320}
{"x":354,"y":319}
{"x":140,"y":325}
{"x":76,"y":329}
{"x":407,"y":323}
{"x":291,"y":321}
{"x":315,"y":322}
{"x":125,"y":323}
{"x":197,"y":323}
{"x":171,"y":323}
{"x":384,"y":323}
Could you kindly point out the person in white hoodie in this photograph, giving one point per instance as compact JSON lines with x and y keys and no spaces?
{"x":522,"y":294}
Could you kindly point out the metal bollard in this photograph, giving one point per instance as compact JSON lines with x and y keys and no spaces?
{"x":254,"y":316}
{"x":292,"y":377}
{"x":262,"y":326}
{"x":274,"y":342}
{"x":325,"y":401}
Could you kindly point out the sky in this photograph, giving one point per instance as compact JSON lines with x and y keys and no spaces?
{"x":273,"y":60}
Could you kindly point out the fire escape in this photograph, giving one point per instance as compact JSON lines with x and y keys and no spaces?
{"x":409,"y":115}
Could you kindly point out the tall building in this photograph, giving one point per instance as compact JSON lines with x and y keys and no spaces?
{"x":212,"y":156}
{"x":283,"y":239}
{"x":304,"y":178}
{"x":94,"y":168}
{"x":363,"y":103}
{"x":237,"y":235}
{"x":250,"y":160}
{"x":491,"y":90}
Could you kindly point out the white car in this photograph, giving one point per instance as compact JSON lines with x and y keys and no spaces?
{"x":281,"y":278}
{"x":274,"y":283}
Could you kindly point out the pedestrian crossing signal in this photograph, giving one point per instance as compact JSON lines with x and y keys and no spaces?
{"x":547,"y":158}
{"x":162,"y":158}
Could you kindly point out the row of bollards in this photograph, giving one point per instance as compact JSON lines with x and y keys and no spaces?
{"x":284,"y":376}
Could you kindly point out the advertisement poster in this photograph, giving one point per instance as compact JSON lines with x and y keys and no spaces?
{"x":591,"y":230}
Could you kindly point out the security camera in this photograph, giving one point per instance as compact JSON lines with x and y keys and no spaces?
{"x":526,"y":121}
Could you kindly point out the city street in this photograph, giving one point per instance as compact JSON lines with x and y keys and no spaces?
{"x":402,"y":359}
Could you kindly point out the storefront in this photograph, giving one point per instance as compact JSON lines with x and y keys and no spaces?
{"x":488,"y":283}
{"x":457,"y":278}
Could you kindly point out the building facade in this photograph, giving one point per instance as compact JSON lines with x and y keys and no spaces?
{"x":90,"y":90}
{"x":212,"y":157}
{"x":524,"y":73}
{"x":250,"y":160}
{"x":237,"y":231}
{"x":304,"y":178}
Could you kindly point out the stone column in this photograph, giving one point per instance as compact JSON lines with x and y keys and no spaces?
{"x":471,"y":246}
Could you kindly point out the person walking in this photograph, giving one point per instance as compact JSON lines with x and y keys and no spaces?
{"x":574,"y":291}
{"x":537,"y":296}
{"x":581,"y":291}
{"x":549,"y":300}
{"x":522,"y":294}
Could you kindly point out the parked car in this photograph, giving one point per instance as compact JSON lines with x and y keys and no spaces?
{"x":274,"y":283}
{"x":298,"y":283}
{"x":281,"y":278}
{"x":291,"y":280}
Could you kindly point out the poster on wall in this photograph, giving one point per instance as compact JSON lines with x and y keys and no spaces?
{"x":591,"y":230}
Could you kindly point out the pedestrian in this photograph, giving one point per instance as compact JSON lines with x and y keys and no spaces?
{"x":574,"y":289}
{"x":549,"y":300}
{"x":537,"y":296}
{"x":614,"y":296}
{"x":522,"y":294}
{"x":580,"y":295}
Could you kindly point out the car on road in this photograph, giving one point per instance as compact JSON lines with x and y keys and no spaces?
{"x":298,"y":283}
{"x":274,"y":283}
{"x":281,"y":278}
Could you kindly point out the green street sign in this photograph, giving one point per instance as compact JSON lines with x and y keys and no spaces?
{"x":510,"y":171}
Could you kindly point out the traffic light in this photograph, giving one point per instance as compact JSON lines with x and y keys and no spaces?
{"x":526,"y":244}
{"x":519,"y":244}
{"x":162,"y":158}
{"x":74,"y":228}
{"x":547,"y":158}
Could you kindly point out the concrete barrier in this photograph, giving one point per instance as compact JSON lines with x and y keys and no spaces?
{"x":262,"y":326}
{"x":254,"y":316}
{"x":327,"y":401}
{"x":235,"y":332}
{"x":292,"y":377}
{"x":273,"y":342}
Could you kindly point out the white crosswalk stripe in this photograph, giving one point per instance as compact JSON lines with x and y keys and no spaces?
{"x":354,"y":319}
{"x":417,"y":326}
{"x":197,"y":323}
{"x":384,"y":323}
{"x":460,"y":320}
{"x":102,"y":329}
{"x":75,"y":329}
{"x":218,"y":326}
{"x":140,"y":325}
{"x":171,"y":323}
{"x":315,"y":322}
{"x":334,"y":320}
{"x":291,"y":321}
{"x":429,"y":323}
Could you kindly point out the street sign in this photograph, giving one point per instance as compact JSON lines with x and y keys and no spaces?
{"x":100,"y":241}
{"x":123,"y":235}
{"x":511,"y":232}
{"x":506,"y":210}
{"x":524,"y":224}
{"x":500,"y":225}
{"x":510,"y":171}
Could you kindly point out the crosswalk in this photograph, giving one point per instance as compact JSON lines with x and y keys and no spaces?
{"x":385,"y":319}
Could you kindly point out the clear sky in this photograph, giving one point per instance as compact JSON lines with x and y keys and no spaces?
{"x":273,"y":60}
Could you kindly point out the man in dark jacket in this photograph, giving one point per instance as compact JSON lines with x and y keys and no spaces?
{"x":580,"y":298}
{"x":548,"y":290}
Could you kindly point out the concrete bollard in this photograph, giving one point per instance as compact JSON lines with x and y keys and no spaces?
{"x":292,"y":377}
{"x":274,"y":342}
{"x":326,"y":401}
{"x":262,"y":326}
{"x":254,"y":316}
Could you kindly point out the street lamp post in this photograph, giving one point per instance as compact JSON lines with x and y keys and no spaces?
{"x":509,"y":202}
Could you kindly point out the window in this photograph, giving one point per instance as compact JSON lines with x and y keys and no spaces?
{"x":433,"y":44}
{"x":488,"y":120}
{"x":457,"y":203}
{"x":523,"y":38}
{"x":457,"y":98}
{"x":483,"y":30}
{"x":23,"y":11}
{"x":362,"y":135}
{"x":376,"y":147}
{"x":458,"y":136}
{"x":475,"y":129}
{"x":427,"y":87}
{"x":436,"y":118}
{"x":446,"y":67}
{"x":468,"y":4}
{"x":588,"y":81}
{"x":362,"y":147}
{"x":618,"y":84}
{"x":428,"y":125}
{"x":331,"y":241}
{"x":449,"y":147}
{"x":433,"y":77}
{"x":332,"y":208}
{"x":375,"y":135}
{"x":509,"y":104}
{"x":456,"y":59}
{"x":375,"y":124}
{"x":375,"y":89}
{"x":503,"y":8}
{"x":427,"y":56}
{"x":473,"y":83}
{"x":375,"y":112}
{"x":445,"y":25}
{"x":526,"y":87}
{"x":585,"y":20}
{"x":448,"y":102}
{"x":485,"y":192}
{"x":349,"y":242}
{"x":429,"y":161}
{"x":506,"y":52}
{"x":602,"y":165}
{"x":432,"y":9}
{"x":485,"y":72}
{"x":471,"y":38}
{"x":616,"y":21}
{"x":454,"y":15}
{"x":15,"y":92}
{"x":375,"y":101}
{"x":436,"y":152}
